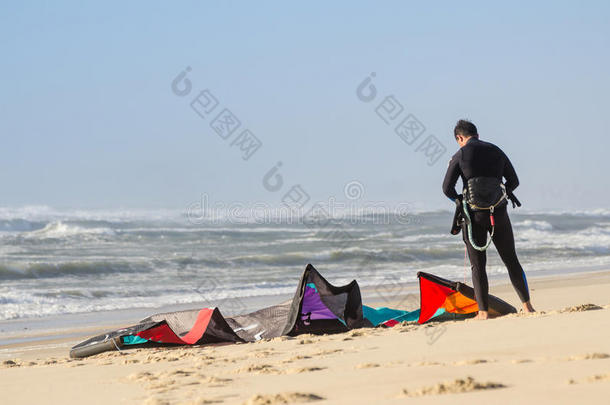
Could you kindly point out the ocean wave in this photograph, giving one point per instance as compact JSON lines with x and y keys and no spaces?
{"x":199,"y":228}
{"x":532,"y":224}
{"x":20,"y":225}
{"x":15,"y":304}
{"x":593,"y":239}
{"x":59,"y":229}
{"x":43,"y":213}
{"x":426,"y":238}
{"x":402,"y":255}
{"x":21,"y":270}
{"x":594,"y":212}
{"x":36,"y":307}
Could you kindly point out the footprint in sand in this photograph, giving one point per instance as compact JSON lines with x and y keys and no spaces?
{"x":599,"y":377}
{"x":302,"y":370}
{"x":216,"y":381}
{"x":471,"y":362}
{"x":295,"y":358}
{"x":163,"y":386}
{"x":283,"y":398}
{"x":156,"y":358}
{"x":202,"y":401}
{"x":180,"y":373}
{"x":408,"y":328}
{"x":592,"y":379}
{"x":169,"y":380}
{"x":452,"y":387}
{"x":109,"y":355}
{"x":262,"y":353}
{"x":258,"y":369}
{"x":240,"y":358}
{"x":357,"y":333}
{"x":327,"y":352}
{"x":142,"y":376}
{"x":427,"y":363}
{"x":589,"y":356}
{"x":581,"y":308}
{"x":367,"y":365}
{"x":521,"y":361}
{"x":213,"y":382}
{"x":155,"y":401}
{"x":20,"y":363}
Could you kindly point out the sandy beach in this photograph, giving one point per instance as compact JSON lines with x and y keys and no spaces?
{"x":559,"y":355}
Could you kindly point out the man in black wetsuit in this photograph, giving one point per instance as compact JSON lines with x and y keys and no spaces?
{"x":478,"y":162}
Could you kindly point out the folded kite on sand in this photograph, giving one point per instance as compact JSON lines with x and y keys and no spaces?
{"x":437,"y":293}
{"x":317,"y":307}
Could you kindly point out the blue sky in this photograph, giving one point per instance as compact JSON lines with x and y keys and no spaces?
{"x":88,"y":118}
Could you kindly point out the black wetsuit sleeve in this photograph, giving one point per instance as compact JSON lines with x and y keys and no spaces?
{"x":451,"y":177}
{"x":509,"y":173}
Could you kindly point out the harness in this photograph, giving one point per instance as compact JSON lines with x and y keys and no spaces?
{"x":469,"y":202}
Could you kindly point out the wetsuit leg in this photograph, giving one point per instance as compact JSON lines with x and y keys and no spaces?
{"x":505,"y":244}
{"x":478,"y":259}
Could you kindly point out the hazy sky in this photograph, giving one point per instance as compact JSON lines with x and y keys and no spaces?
{"x":88,"y":117}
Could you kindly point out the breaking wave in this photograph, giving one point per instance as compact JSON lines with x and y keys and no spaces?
{"x":59,"y":229}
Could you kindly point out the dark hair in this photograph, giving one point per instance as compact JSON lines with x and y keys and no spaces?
{"x":465,"y":128}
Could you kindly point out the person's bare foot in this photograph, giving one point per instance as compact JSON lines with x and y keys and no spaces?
{"x":482,"y":315}
{"x":528,"y":308}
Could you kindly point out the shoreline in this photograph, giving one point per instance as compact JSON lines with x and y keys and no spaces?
{"x":61,"y":326}
{"x":68,"y":329}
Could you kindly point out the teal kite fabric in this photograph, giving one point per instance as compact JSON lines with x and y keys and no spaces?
{"x":390,"y":317}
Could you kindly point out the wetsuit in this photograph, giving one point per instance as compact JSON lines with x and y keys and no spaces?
{"x":483,"y":159}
